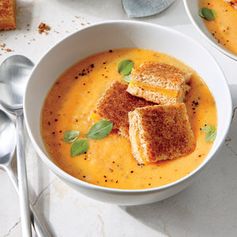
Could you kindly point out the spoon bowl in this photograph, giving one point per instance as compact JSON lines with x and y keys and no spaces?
{"x":12,"y":87}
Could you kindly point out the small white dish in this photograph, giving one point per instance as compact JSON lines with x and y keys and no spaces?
{"x":192,"y":9}
{"x":122,"y":34}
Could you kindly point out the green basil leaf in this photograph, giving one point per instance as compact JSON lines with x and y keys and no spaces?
{"x":70,"y":136}
{"x":100,"y":129}
{"x":127,"y":78}
{"x":207,"y":13}
{"x":210,"y":132}
{"x":79,"y":147}
{"x":125,"y":67}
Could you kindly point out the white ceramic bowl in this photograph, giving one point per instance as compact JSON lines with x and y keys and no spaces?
{"x":120,"y":34}
{"x":192,"y":9}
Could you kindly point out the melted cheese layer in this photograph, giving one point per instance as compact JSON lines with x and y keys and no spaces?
{"x":160,"y":90}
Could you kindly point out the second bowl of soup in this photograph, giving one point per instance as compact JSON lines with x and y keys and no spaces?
{"x":217,"y":21}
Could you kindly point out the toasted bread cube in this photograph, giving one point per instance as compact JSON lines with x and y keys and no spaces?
{"x":160,"y":132}
{"x":159,"y":83}
{"x":7,"y":14}
{"x":115,"y":105}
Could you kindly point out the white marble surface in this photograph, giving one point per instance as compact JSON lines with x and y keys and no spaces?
{"x":207,"y":208}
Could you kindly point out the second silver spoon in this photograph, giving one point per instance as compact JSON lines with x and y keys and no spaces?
{"x":8,"y":143}
{"x":14,"y":74}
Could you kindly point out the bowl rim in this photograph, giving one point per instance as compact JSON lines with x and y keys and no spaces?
{"x":212,"y":42}
{"x":73,"y":180}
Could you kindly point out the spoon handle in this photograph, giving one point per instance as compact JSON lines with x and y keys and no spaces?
{"x":22,"y":179}
{"x":39,"y":227}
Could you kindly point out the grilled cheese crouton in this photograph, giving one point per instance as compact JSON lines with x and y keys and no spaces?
{"x":115,"y":105}
{"x":160,"y":83}
{"x":160,"y":132}
{"x":7,"y":14}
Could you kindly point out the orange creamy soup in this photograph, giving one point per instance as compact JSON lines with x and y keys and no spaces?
{"x":109,"y":161}
{"x":224,"y":25}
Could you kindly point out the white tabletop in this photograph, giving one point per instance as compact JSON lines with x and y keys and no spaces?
{"x":207,"y":208}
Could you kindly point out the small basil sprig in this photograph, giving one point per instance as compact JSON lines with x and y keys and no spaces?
{"x":79,"y":147}
{"x":210,"y":132}
{"x":100,"y":129}
{"x":71,"y":136}
{"x":97,"y":131}
{"x":207,"y":14}
{"x":125,"y":68}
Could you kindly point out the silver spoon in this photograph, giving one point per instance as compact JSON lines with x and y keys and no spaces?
{"x":14,"y":74}
{"x":8,"y":143}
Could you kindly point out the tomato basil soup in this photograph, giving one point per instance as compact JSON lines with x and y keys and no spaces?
{"x":223,"y":24}
{"x":71,"y":103}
